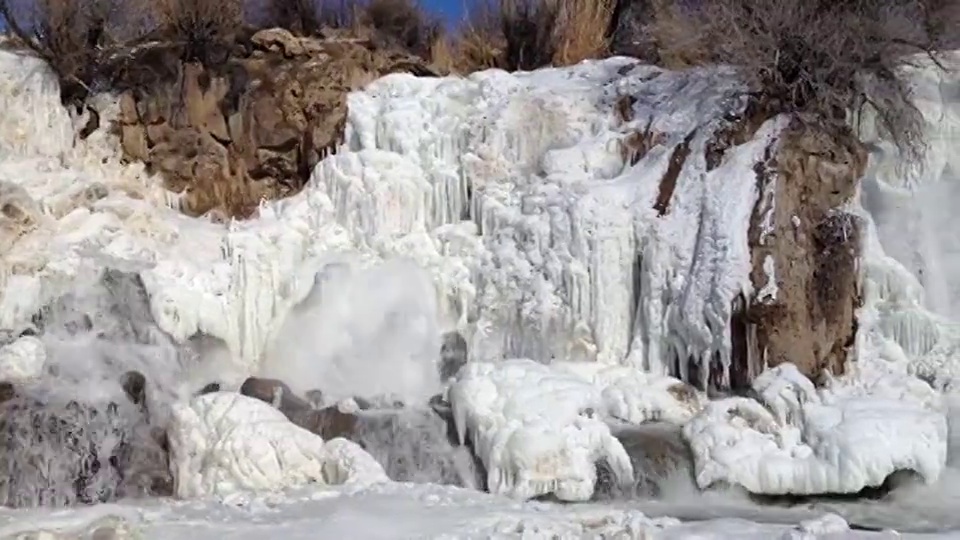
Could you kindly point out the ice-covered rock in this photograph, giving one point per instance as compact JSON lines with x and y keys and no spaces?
{"x":223,"y":443}
{"x":23,"y":359}
{"x":532,"y":428}
{"x":801,"y":440}
{"x":541,"y":429}
{"x":633,"y":396}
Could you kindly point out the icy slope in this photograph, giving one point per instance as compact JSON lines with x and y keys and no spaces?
{"x":225,"y":443}
{"x":800,"y":440}
{"x":539,"y":163}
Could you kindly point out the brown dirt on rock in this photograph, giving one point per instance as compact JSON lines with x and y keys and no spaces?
{"x":814,"y":245}
{"x":669,"y":181}
{"x":253,"y":128}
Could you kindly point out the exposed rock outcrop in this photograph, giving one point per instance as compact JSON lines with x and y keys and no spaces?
{"x":252,"y":128}
{"x":805,"y":250}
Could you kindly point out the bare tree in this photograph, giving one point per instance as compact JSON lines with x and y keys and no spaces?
{"x":827,"y":57}
{"x":67,"y":34}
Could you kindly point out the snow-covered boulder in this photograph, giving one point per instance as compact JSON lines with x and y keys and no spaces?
{"x":635,"y":397}
{"x":23,"y":359}
{"x":222,"y":443}
{"x":802,"y":440}
{"x":541,"y":429}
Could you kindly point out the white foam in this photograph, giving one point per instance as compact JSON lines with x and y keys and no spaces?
{"x":802,"y":440}
{"x":224,"y":443}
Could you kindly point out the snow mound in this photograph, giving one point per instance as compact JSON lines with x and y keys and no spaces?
{"x":800,"y":440}
{"x":23,"y":359}
{"x":540,"y":428}
{"x":223,"y":443}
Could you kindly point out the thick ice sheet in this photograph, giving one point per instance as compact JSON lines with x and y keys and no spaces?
{"x":401,"y":512}
{"x":225,"y":443}
{"x":801,"y":440}
{"x":540,"y":429}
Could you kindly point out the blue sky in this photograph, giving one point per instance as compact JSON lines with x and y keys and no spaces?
{"x":451,"y":10}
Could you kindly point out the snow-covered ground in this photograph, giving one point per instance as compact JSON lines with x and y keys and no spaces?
{"x":505,"y":207}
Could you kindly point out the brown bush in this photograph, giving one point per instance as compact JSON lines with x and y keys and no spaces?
{"x":205,"y":29}
{"x":826,"y":57}
{"x":308,"y":17}
{"x":582,"y":31}
{"x":530,"y":34}
{"x":402,"y":23}
{"x":67,"y":34}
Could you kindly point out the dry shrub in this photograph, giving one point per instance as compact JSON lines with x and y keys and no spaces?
{"x":530,"y":34}
{"x":825,"y":57}
{"x":308,"y":17}
{"x":583,"y":31}
{"x":480,"y":44}
{"x":530,"y":30}
{"x":402,"y":23}
{"x":68,"y":34}
{"x":205,"y":29}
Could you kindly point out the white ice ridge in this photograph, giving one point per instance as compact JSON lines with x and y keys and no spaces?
{"x":802,"y":440}
{"x":540,"y":429}
{"x":224,"y":443}
{"x":537,"y":162}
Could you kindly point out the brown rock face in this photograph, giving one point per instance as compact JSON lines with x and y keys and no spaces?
{"x":253,"y":128}
{"x":800,"y":235}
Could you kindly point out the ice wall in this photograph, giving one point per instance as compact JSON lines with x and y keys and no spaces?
{"x":524,"y":196}
{"x":912,"y":252}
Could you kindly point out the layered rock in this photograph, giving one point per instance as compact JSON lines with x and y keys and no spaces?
{"x":253,"y":128}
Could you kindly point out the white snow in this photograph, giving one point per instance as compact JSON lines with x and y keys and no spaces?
{"x":225,"y":443}
{"x":23,"y":359}
{"x":802,"y":440}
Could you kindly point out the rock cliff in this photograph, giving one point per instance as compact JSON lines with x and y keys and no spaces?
{"x":252,"y":128}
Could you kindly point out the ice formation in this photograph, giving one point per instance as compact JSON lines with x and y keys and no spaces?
{"x":23,"y":359}
{"x":800,"y":440}
{"x":910,"y":258}
{"x":537,"y":162}
{"x":224,"y":443}
{"x":878,"y":418}
{"x":520,"y":196}
{"x":540,"y":429}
